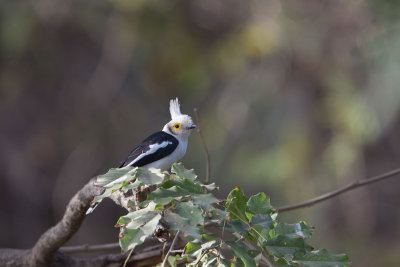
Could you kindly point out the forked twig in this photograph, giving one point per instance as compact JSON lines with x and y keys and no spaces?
{"x":170,"y":249}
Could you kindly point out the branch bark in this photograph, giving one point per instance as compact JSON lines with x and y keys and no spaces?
{"x":48,"y":252}
{"x":45,"y":251}
{"x":42,"y":254}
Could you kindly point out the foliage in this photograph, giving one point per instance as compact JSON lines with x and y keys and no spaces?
{"x":249,"y":233}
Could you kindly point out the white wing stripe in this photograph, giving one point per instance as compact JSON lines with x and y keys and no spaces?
{"x":153,"y":149}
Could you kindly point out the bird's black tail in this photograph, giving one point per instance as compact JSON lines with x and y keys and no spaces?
{"x":95,"y":204}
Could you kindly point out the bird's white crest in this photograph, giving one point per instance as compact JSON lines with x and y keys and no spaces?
{"x":174,"y":108}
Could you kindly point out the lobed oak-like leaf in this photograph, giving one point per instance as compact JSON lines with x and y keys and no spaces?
{"x":180,"y":171}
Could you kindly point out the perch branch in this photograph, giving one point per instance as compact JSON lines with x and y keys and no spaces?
{"x":42,"y":253}
{"x":48,"y":252}
{"x":339,"y":191}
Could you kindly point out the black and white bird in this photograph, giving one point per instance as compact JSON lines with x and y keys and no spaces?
{"x":161,"y":149}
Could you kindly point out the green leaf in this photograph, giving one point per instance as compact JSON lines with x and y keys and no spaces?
{"x":321,"y":258}
{"x":107,"y":192}
{"x":138,"y":216}
{"x":236,"y":204}
{"x":126,"y":238}
{"x":237,"y":263}
{"x":241,"y":251}
{"x":258,"y":204}
{"x":287,"y":246}
{"x":180,"y":170}
{"x":210,"y":187}
{"x":182,"y":224}
{"x":114,"y":178}
{"x":131,"y":235}
{"x":210,"y":237}
{"x":300,"y":229}
{"x":261,"y":226}
{"x":192,"y":247}
{"x":236,"y":226}
{"x":263,"y":221}
{"x":204,"y":201}
{"x":149,"y":176}
{"x":226,"y":263}
{"x":190,"y":211}
{"x":218,"y":214}
{"x":164,"y":196}
{"x":131,"y":185}
{"x":282,"y":262}
{"x":256,"y":255}
{"x":184,"y":183}
{"x":196,"y":248}
{"x":172,"y":260}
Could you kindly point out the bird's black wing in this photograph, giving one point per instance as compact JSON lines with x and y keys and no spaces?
{"x":162,"y":145}
{"x":153,"y":148}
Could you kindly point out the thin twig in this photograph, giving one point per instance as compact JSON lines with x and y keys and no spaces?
{"x":205,"y":251}
{"x":170,"y":249}
{"x":89,"y":248}
{"x":253,"y":247}
{"x":127,"y":258}
{"x":207,"y":180}
{"x":163,"y":250}
{"x":339,"y":191}
{"x":86,"y":248}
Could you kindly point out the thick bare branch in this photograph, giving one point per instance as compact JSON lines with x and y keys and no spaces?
{"x":43,"y":252}
{"x":48,"y":252}
{"x":339,"y":191}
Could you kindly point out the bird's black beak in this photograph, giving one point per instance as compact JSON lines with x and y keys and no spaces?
{"x":192,"y":126}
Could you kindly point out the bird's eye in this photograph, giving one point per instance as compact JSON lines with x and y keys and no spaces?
{"x":177,"y":126}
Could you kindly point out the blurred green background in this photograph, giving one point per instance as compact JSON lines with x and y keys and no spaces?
{"x":296,"y":98}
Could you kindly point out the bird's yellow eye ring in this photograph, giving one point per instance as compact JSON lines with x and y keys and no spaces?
{"x":177,"y":125}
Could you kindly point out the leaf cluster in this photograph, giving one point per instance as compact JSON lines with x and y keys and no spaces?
{"x":248,"y":231}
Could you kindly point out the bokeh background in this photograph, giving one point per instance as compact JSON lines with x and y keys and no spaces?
{"x":296,"y":98}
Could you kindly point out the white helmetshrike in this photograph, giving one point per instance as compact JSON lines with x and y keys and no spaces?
{"x":161,"y":149}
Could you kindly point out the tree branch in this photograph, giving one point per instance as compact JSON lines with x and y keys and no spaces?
{"x":48,"y":252}
{"x":43,"y":252}
{"x":339,"y":191}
